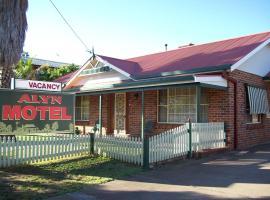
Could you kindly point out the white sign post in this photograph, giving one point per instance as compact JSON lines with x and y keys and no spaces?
{"x":36,"y":85}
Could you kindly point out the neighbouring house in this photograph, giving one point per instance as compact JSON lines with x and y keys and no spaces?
{"x":225,"y":81}
{"x":37,"y":62}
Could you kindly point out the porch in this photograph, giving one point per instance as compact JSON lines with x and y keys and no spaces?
{"x":150,"y":111}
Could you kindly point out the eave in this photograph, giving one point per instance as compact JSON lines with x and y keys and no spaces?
{"x":208,"y":69}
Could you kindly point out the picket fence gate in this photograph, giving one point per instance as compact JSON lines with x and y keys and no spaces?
{"x":34,"y":149}
{"x":169,"y":144}
{"x":127,"y":149}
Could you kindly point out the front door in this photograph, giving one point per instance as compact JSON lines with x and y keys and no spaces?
{"x":120,"y":113}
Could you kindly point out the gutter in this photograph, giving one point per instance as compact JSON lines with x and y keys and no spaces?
{"x":235,"y":94}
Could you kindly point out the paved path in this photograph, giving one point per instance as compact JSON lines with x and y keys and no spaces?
{"x":233,"y":175}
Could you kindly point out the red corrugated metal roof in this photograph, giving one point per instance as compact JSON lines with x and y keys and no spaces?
{"x":199,"y":56}
{"x":210,"y":55}
{"x":65,"y":78}
{"x":125,"y":65}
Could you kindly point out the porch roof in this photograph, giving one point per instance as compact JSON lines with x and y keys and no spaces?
{"x":155,"y":84}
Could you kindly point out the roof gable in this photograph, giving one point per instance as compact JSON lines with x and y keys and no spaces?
{"x":257,"y":61}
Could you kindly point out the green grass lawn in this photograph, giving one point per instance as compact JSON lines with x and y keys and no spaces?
{"x":51,"y":179}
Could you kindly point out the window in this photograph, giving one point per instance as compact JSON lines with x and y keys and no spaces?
{"x":82,"y":108}
{"x":204,"y":106}
{"x":177,"y":105}
{"x":255,"y":118}
{"x":256,"y":103}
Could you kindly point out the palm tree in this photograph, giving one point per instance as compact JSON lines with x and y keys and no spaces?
{"x":13,"y":25}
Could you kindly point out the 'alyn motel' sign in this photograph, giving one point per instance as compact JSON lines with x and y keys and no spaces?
{"x":37,"y":107}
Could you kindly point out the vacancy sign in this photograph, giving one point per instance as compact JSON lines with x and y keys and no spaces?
{"x":36,"y":85}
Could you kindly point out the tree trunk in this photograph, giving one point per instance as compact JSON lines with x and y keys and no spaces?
{"x":13,"y":25}
{"x":6,"y":75}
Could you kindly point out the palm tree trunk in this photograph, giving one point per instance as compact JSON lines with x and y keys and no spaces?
{"x":6,"y":74}
{"x":13,"y":25}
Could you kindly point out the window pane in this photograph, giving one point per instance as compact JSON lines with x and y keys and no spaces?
{"x":255,"y":118}
{"x":78,"y":101}
{"x":162,"y":113}
{"x":171,"y":118}
{"x":204,"y":113}
{"x":162,"y":97}
{"x":171,"y":108}
{"x":192,"y":108}
{"x":192,"y":91}
{"x":82,"y":108}
{"x":182,"y":104}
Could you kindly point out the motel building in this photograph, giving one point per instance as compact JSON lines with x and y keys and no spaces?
{"x":225,"y":81}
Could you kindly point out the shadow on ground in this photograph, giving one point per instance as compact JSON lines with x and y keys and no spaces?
{"x":233,"y":175}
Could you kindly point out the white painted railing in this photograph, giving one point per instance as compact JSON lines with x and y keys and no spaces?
{"x":127,"y":149}
{"x":34,"y":149}
{"x":208,"y":136}
{"x":170,"y":144}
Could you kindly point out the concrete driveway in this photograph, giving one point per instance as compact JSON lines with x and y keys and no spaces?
{"x":232,"y":175}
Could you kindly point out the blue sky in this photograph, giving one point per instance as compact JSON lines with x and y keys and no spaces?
{"x":129,"y":28}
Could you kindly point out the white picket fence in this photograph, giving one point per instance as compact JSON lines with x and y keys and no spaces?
{"x":127,"y":149}
{"x":34,"y":149}
{"x":208,"y":136}
{"x":170,"y":144}
{"x":175,"y":142}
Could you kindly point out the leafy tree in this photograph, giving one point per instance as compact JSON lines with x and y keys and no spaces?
{"x":24,"y":69}
{"x":47,"y":73}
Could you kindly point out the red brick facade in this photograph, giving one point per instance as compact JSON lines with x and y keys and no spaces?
{"x":220,"y":109}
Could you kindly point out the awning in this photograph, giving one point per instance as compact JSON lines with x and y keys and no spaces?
{"x":258,"y":102}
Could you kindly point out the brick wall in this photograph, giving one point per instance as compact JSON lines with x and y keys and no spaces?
{"x":221,"y":109}
{"x":250,"y":134}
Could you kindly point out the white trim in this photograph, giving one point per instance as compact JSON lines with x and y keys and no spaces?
{"x":79,"y":71}
{"x":211,"y":80}
{"x":143,"y":86}
{"x":114,"y":67}
{"x":249,"y":55}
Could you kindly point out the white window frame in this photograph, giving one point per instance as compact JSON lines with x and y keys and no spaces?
{"x":84,"y":110}
{"x":158,"y":105}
